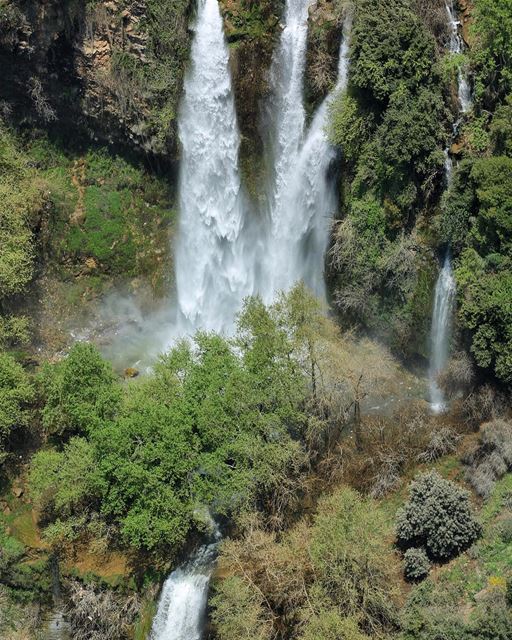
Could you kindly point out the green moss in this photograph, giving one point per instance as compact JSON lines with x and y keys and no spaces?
{"x":105,"y":208}
{"x":143,"y":625}
{"x":250,"y":20}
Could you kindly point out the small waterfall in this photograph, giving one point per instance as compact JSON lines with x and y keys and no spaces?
{"x":444,"y":296}
{"x":444,"y":299}
{"x":182,"y":607}
{"x":213,"y":266}
{"x":456,"y":45}
{"x":304,"y":196}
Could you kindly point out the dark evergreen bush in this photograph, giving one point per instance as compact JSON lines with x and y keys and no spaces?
{"x":437,"y":518}
{"x":416,"y":564}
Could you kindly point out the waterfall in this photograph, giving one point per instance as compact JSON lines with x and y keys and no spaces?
{"x":285,"y":111}
{"x":214,"y":248}
{"x":302,"y":196}
{"x":285,"y":124}
{"x":456,"y":45}
{"x":444,"y":299}
{"x":182,"y":606}
{"x":218,"y":246}
{"x":444,"y":296}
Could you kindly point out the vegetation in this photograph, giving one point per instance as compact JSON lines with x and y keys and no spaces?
{"x":477,"y":215}
{"x":299,"y":438}
{"x":416,"y":564}
{"x":330,"y":577}
{"x":388,"y":127}
{"x":16,"y":394}
{"x":437,"y":518}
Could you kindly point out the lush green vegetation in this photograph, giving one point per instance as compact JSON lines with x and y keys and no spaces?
{"x":217,"y":424}
{"x":477,"y":213}
{"x":329,"y":532}
{"x":389,"y":125}
{"x":16,"y":394}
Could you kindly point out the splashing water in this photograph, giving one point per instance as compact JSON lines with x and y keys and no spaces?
{"x":442,"y":316}
{"x":285,"y":109}
{"x":214,"y":251}
{"x":182,"y":606}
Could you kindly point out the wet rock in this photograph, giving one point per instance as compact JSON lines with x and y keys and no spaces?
{"x":131,"y":372}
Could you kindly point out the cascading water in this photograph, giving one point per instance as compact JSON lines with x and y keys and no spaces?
{"x":302,"y":197}
{"x":302,"y":230}
{"x":456,"y":46}
{"x":444,"y":297}
{"x":182,"y":606}
{"x":214,"y":248}
{"x":444,"y":300}
{"x":285,"y":110}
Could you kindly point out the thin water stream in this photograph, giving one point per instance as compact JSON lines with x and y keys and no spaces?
{"x":445,"y":290}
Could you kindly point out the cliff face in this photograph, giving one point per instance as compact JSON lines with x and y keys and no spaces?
{"x":112,"y":68}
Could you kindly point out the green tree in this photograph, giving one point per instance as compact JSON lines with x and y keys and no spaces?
{"x":81,"y":392}
{"x":16,"y":394}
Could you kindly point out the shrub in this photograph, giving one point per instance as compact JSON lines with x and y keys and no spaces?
{"x":437,"y":517}
{"x":442,"y":441}
{"x":458,"y":375}
{"x":492,"y":458}
{"x":506,"y":531}
{"x":351,"y":564}
{"x":95,"y":614}
{"x":486,"y":403}
{"x":416,"y":564}
{"x":330,"y":625}
{"x":239,"y":612}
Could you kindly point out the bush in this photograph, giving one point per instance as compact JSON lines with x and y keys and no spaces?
{"x":416,"y":564}
{"x":437,"y":518}
{"x":442,"y":441}
{"x":330,"y":625}
{"x":506,"y":531}
{"x":351,"y":564}
{"x":492,"y":458}
{"x":98,"y":614}
{"x":483,"y":404}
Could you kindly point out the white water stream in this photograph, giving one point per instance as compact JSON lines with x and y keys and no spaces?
{"x":303,"y":196}
{"x":182,"y":606}
{"x":442,"y":316}
{"x":215,"y":250}
{"x":444,"y":296}
{"x":456,"y":46}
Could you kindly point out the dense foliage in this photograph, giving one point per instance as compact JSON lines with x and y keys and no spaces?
{"x":217,"y":424}
{"x":330,"y":579}
{"x":16,"y":393}
{"x":437,"y":518}
{"x":389,"y":127}
{"x":477,"y":212}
